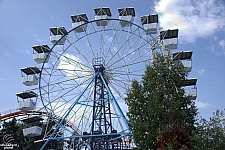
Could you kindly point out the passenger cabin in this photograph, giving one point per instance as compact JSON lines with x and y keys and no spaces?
{"x":169,"y":39}
{"x":58,"y":35}
{"x":191,"y":93}
{"x":185,"y":58}
{"x":78,"y":23}
{"x":126,"y":14}
{"x":29,"y":75}
{"x":40,"y":53}
{"x":101,"y":16}
{"x":32,"y":131}
{"x":27,"y":101}
{"x":150,"y":23}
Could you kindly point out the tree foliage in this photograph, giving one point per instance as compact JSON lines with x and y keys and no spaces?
{"x":211,"y":133}
{"x":10,"y":128}
{"x":159,"y":114}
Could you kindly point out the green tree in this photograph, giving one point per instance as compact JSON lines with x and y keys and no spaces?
{"x":211,"y":133}
{"x":159,"y":114}
{"x":11,"y":128}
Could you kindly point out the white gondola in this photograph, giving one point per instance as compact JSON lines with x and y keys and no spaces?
{"x":126,"y":14}
{"x":40,"y":53}
{"x":32,"y":131}
{"x":169,"y":39}
{"x":102,"y":14}
{"x":77,"y":21}
{"x":185,"y":57}
{"x":29,"y":75}
{"x":28,"y":103}
{"x":187,"y":65}
{"x":58,"y":35}
{"x":191,"y":93}
{"x":150,"y":23}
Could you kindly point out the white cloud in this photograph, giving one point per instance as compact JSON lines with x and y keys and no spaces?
{"x":2,"y":79}
{"x":215,"y":51}
{"x":211,"y":48}
{"x":201,"y":71}
{"x":109,"y":38}
{"x":202,"y":104}
{"x":40,"y":40}
{"x":215,"y":38}
{"x":222,"y":44}
{"x":194,"y":19}
{"x":8,"y":55}
{"x":26,"y":51}
{"x":73,"y":67}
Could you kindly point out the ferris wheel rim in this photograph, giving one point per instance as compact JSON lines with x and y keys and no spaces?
{"x":138,"y":26}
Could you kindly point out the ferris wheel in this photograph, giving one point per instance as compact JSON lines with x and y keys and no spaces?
{"x":84,"y":76}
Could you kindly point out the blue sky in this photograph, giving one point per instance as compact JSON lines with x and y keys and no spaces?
{"x":24,"y":24}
